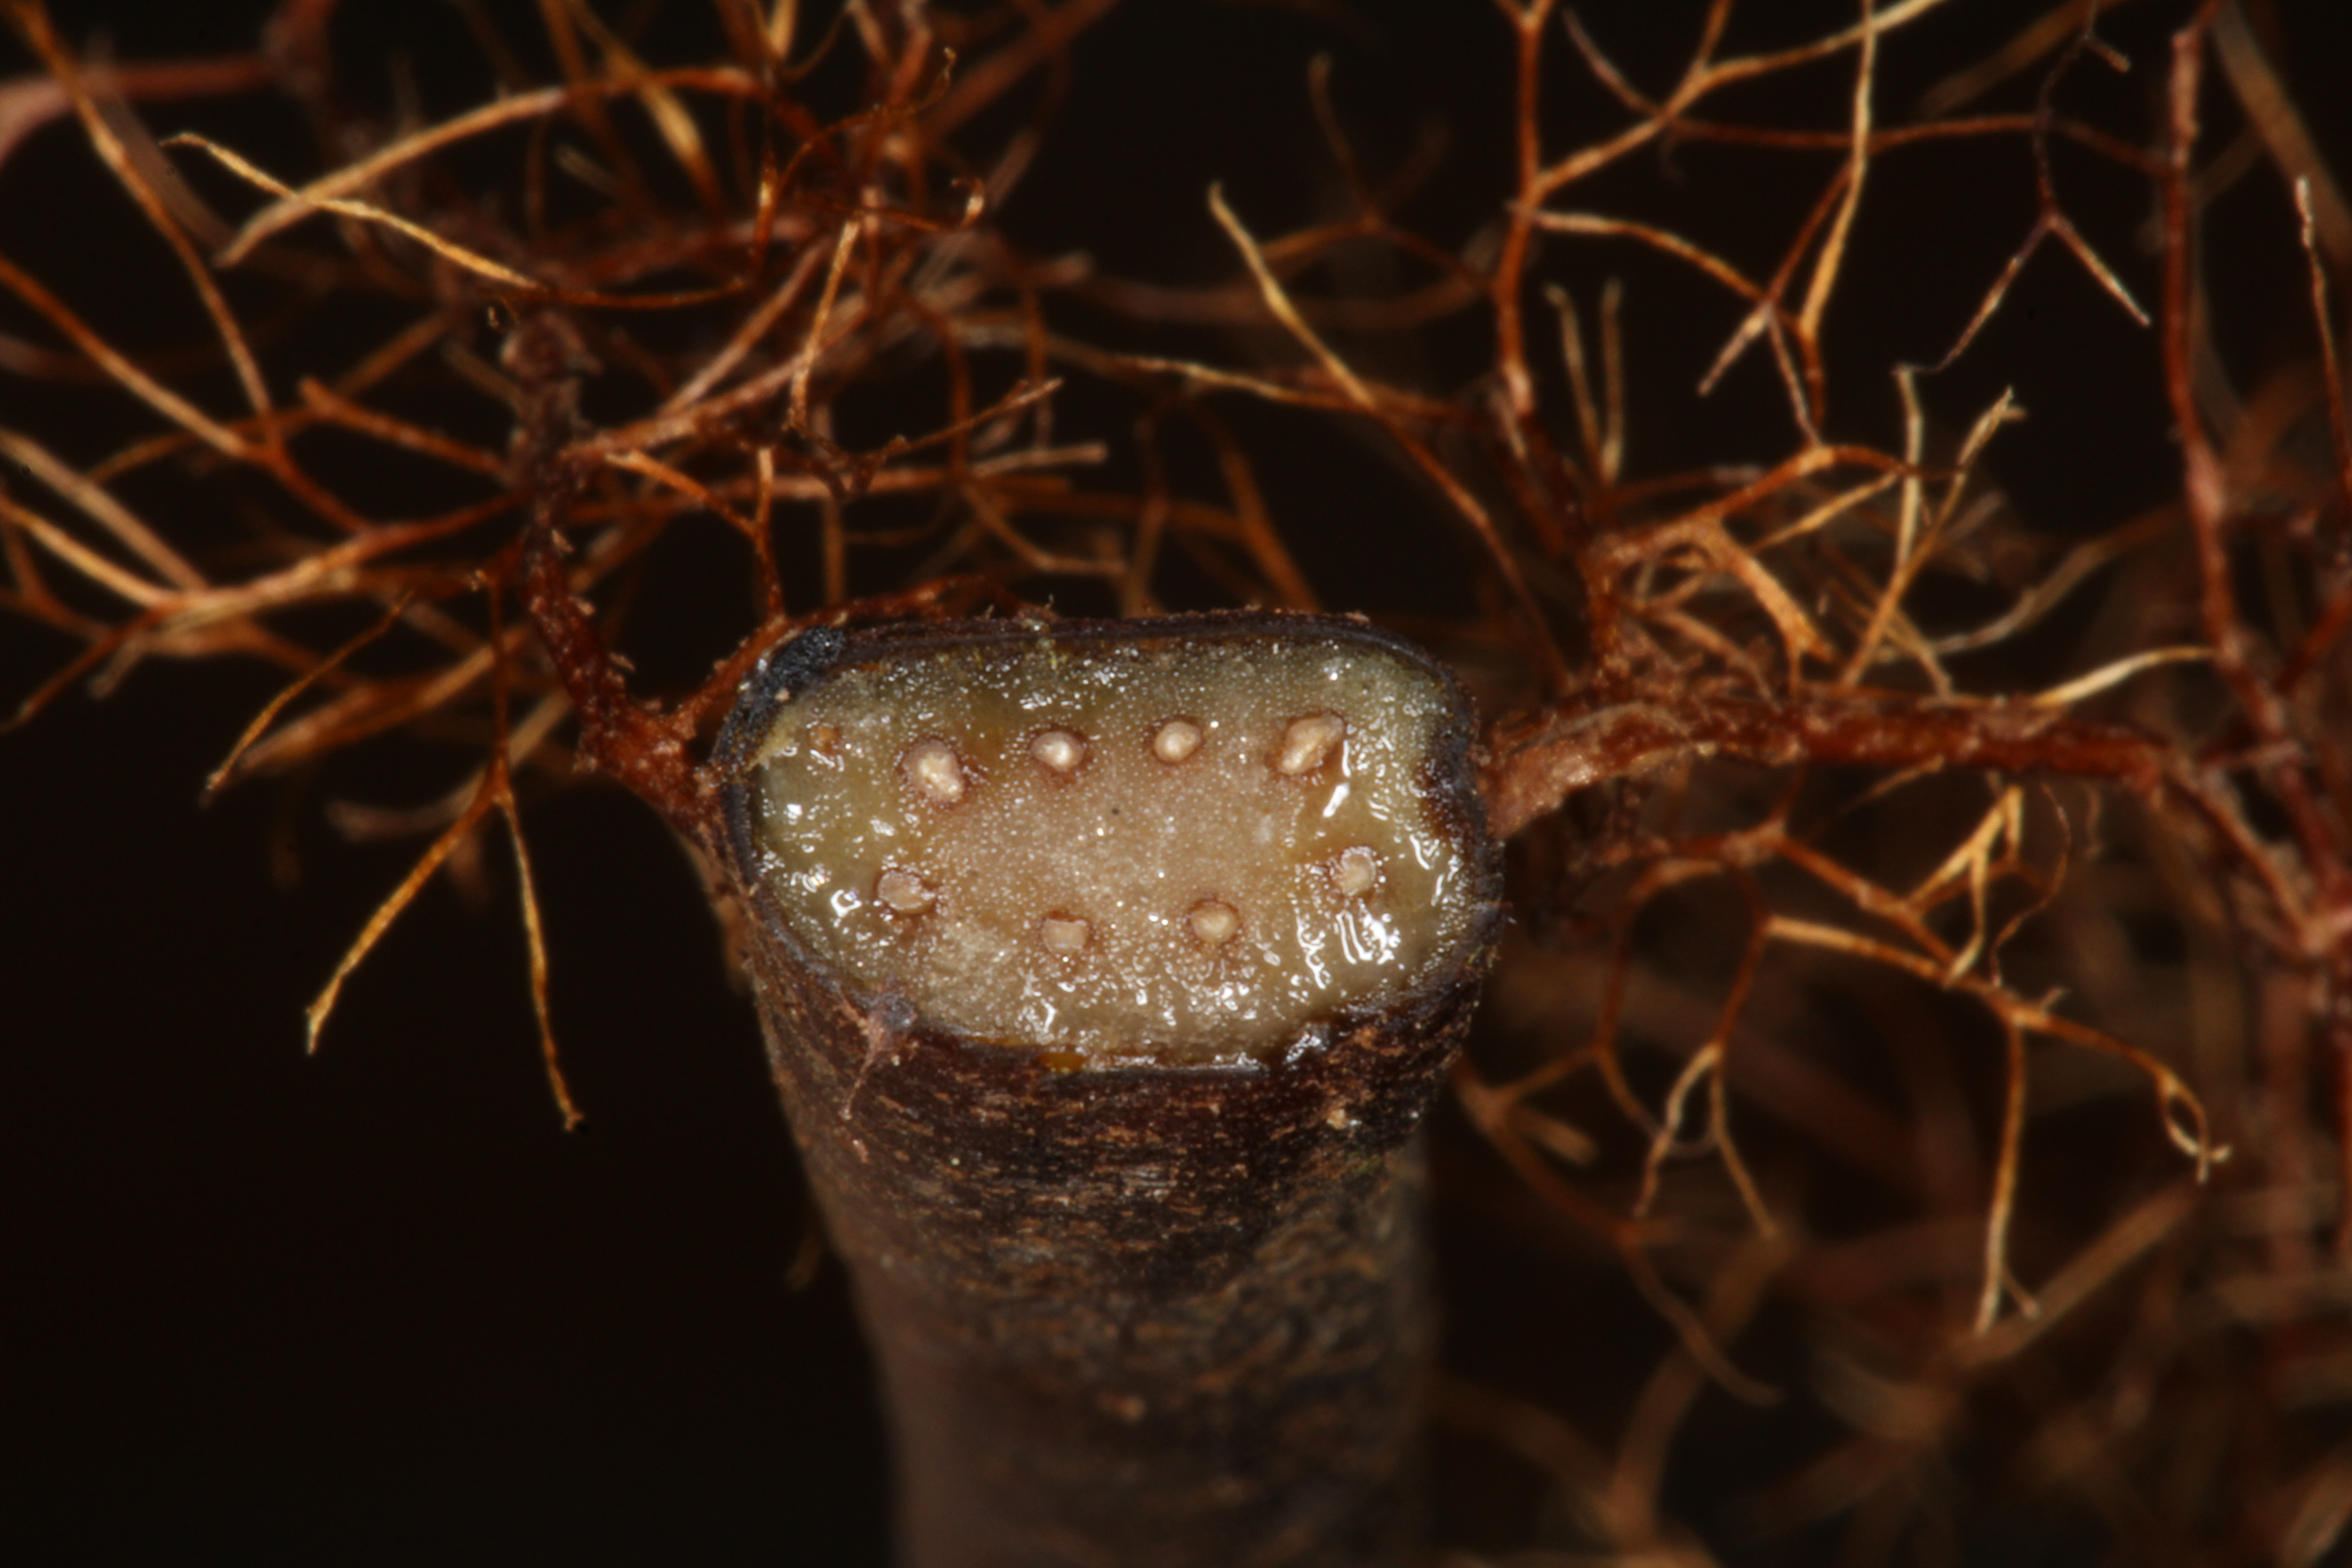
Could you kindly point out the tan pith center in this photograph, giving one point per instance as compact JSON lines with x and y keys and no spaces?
{"x":1181,"y":850}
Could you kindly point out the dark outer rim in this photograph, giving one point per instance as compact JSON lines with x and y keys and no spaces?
{"x":1449,"y":783}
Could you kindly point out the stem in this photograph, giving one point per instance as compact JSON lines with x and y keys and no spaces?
{"x":1136,"y":1301}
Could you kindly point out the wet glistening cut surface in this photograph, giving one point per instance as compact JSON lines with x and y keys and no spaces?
{"x":1180,"y":848}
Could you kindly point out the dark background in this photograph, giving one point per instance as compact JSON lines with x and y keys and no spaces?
{"x":376,"y":1305}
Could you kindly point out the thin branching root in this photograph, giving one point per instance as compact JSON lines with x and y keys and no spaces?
{"x":1932,"y":985}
